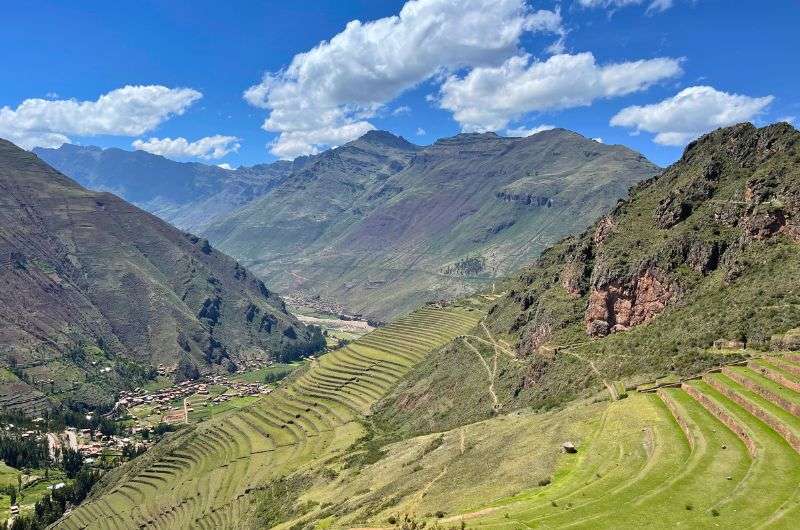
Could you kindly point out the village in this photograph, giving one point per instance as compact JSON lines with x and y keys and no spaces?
{"x":174,"y":404}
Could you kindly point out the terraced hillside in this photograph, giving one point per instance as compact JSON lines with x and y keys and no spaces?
{"x":211,"y":477}
{"x":721,"y":450}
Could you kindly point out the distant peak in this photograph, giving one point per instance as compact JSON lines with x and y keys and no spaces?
{"x":377,"y":137}
{"x":71,"y":148}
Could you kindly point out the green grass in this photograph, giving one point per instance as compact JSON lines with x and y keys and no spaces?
{"x":8,"y":475}
{"x":259,"y":375}
{"x":652,"y":460}
{"x":311,"y":452}
{"x":201,"y":413}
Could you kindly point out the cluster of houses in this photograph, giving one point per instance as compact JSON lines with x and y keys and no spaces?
{"x":165,"y":400}
{"x":90,"y":447}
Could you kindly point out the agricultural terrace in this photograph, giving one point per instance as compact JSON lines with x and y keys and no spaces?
{"x":209,"y":476}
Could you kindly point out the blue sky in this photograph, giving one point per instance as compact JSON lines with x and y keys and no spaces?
{"x":661,"y":71}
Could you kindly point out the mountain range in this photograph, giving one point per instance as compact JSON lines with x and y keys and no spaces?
{"x":632,"y":369}
{"x":706,"y":253}
{"x":96,"y":293}
{"x":188,"y":195}
{"x":379,"y":224}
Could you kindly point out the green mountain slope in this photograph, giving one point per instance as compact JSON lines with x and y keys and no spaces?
{"x":91,"y":282}
{"x":706,"y":251}
{"x":381,"y":225}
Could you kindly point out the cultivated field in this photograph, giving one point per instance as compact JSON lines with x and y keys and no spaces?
{"x":210,"y":477}
{"x":719,"y":451}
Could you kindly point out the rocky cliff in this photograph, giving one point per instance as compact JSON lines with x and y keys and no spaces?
{"x":91,"y":282}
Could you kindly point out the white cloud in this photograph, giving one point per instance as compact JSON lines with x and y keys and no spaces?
{"x":225,"y":165}
{"x":291,"y":144}
{"x":127,"y":111}
{"x":210,"y":147}
{"x":403,"y":109}
{"x":598,"y":140}
{"x":523,"y":132}
{"x":487,"y":98}
{"x":421,"y":131}
{"x":788,"y":119}
{"x":654,"y":5}
{"x":690,"y":113}
{"x":329,"y":93}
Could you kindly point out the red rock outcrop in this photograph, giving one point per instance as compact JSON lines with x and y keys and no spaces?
{"x":571,"y":279}
{"x":604,"y":228}
{"x":617,"y":306}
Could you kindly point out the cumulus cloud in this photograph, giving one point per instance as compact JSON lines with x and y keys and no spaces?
{"x":488,"y":97}
{"x":654,"y":5}
{"x":225,"y":165}
{"x":690,"y":113}
{"x":327,"y":95}
{"x":421,"y":131}
{"x":127,"y":111}
{"x":522,"y":131}
{"x":209,"y":148}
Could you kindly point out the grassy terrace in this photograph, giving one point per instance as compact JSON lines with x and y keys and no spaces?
{"x":720,"y":451}
{"x":211,"y":478}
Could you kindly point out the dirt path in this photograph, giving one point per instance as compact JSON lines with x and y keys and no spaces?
{"x":496,"y":345}
{"x":421,"y":493}
{"x":53,"y":443}
{"x":614,"y":396}
{"x":491,"y":373}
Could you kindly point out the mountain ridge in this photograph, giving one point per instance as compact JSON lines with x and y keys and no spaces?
{"x":91,"y":281}
{"x":481,"y":190}
{"x":501,"y":200}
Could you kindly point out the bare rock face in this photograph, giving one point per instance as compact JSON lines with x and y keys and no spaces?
{"x":534,"y":338}
{"x":619,"y":306}
{"x":762,"y":225}
{"x":571,"y":279}
{"x":681,"y":202}
{"x":604,"y":229}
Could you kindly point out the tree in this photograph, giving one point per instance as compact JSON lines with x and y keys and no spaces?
{"x":72,"y":462}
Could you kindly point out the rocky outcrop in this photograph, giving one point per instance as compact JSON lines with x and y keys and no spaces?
{"x":603,"y":230}
{"x":681,"y":202}
{"x":618,"y":306}
{"x":528,"y":199}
